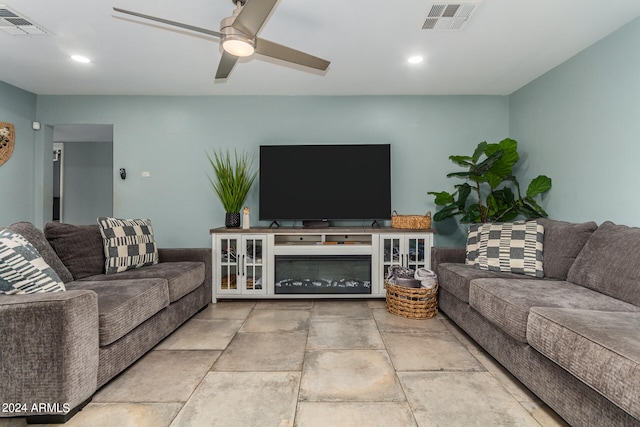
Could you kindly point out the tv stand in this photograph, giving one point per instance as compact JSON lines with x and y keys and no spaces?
{"x":274,"y":224}
{"x":322,"y":223}
{"x":295,"y":262}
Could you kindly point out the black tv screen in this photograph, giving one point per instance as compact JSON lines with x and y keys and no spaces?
{"x":325,"y":182}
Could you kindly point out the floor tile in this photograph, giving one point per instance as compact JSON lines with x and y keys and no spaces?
{"x":125,"y":415}
{"x":264,"y":352}
{"x":197,"y":334}
{"x":461,"y":399}
{"x":344,"y":333}
{"x":288,"y":304}
{"x":340,"y":309}
{"x":273,"y":320}
{"x":377,"y":303}
{"x":160,"y":376}
{"x":349,"y":375}
{"x":242,"y":399}
{"x":428,"y":351}
{"x":354,"y":414}
{"x":388,"y":322}
{"x":236,"y":310}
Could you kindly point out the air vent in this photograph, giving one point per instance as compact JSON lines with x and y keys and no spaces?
{"x":449,"y":16}
{"x":18,"y":25}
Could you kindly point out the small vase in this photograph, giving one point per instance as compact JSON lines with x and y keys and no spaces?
{"x":232,"y":219}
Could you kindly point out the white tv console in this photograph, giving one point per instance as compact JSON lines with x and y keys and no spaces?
{"x":333,"y":262}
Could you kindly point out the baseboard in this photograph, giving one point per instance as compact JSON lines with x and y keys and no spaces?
{"x":56,"y":418}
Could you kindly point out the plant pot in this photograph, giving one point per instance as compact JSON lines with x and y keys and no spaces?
{"x":232,"y":220}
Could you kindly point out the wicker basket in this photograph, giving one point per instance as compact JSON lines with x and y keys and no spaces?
{"x":412,"y":303}
{"x":415,"y":222}
{"x":7,"y":138}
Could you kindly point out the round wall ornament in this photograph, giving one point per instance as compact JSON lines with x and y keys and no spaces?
{"x":7,"y":139}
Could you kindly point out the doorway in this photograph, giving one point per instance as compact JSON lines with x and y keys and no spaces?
{"x":82,"y":173}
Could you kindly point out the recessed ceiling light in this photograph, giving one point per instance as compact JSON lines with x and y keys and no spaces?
{"x":415,"y":59}
{"x":80,"y":58}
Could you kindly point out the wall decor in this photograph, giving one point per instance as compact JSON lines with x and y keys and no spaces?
{"x":7,"y":139}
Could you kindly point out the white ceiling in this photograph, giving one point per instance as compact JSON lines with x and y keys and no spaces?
{"x":505,"y":45}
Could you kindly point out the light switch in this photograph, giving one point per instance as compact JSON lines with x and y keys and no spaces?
{"x":145,"y":174}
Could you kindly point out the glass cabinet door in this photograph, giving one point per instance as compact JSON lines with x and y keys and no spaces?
{"x":253,"y":263}
{"x":416,"y":253}
{"x":228,"y":279}
{"x":391,"y":254}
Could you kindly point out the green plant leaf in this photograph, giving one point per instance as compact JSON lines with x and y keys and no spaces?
{"x":464,"y":190}
{"x":472,"y":215}
{"x":446,"y":212}
{"x":538,"y":185}
{"x":461,"y":160}
{"x":442,"y":197}
{"x":479,"y":151}
{"x":458,"y":174}
{"x":483,"y":167}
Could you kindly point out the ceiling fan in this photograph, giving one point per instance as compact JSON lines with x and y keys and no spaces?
{"x":238,"y":36}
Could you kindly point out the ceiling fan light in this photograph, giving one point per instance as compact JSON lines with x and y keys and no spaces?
{"x":238,"y":46}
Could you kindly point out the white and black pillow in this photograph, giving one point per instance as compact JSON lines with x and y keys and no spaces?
{"x":128,"y":244}
{"x":473,"y":241}
{"x":22,"y":269}
{"x":514,"y":247}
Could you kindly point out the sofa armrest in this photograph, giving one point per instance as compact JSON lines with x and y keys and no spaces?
{"x":49,"y":343}
{"x":441,"y":255}
{"x":190,"y":254}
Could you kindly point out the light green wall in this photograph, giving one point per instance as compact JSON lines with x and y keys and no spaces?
{"x":17,"y":186}
{"x":88,"y":183}
{"x":169,"y":137}
{"x":581,"y":125}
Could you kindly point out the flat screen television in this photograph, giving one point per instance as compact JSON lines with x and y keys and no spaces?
{"x":325,"y":182}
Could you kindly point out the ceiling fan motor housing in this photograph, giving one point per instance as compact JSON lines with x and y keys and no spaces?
{"x":233,"y":40}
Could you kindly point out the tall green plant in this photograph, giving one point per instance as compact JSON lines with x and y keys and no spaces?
{"x":232,"y":178}
{"x":489,"y":167}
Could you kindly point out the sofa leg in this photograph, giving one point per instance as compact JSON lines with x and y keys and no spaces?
{"x":56,"y":418}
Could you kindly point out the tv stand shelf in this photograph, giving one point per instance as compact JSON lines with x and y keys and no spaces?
{"x":333,"y":262}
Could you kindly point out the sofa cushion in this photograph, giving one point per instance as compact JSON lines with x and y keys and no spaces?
{"x":506,"y":303}
{"x":125,"y":304}
{"x":182,"y":277}
{"x":602,"y":349}
{"x":456,"y":277}
{"x":128,"y":244}
{"x":79,"y":247}
{"x":610,"y":262}
{"x":514,"y":247}
{"x":563,"y":241}
{"x":22,"y":269}
{"x":39,"y":241}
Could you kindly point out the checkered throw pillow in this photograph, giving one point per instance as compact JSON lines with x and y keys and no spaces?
{"x":514,"y":247}
{"x":473,"y":241}
{"x":22,"y":269}
{"x":128,"y":244}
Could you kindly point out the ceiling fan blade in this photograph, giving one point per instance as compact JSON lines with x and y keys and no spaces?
{"x":226,"y":65}
{"x":274,"y":50}
{"x":252,"y":16}
{"x":174,"y":23}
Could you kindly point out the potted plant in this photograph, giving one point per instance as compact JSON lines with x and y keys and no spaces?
{"x":232,"y":181}
{"x":490,"y":166}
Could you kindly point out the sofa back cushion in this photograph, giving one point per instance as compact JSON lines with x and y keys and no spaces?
{"x":563,"y":241}
{"x":36,"y":237}
{"x":610,"y":263}
{"x":79,"y":247}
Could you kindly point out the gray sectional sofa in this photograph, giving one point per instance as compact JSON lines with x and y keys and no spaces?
{"x":573,"y":336}
{"x":59,"y":348}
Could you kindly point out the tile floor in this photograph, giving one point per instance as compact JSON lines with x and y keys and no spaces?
{"x":313,"y":363}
